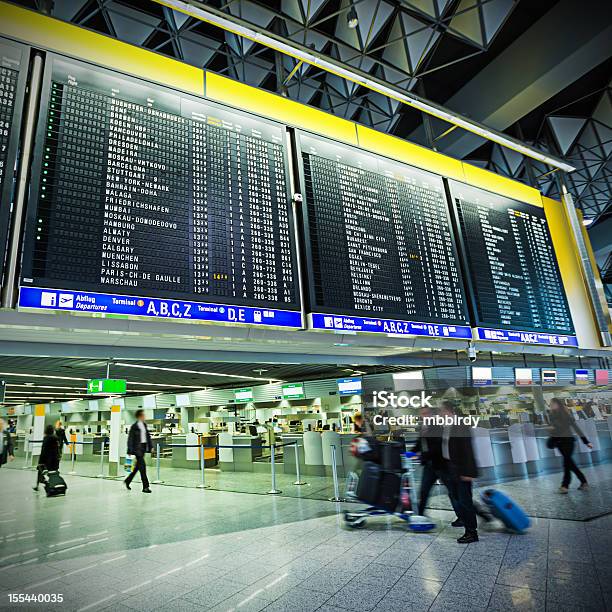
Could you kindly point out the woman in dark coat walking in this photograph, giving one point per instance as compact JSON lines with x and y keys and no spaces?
{"x":49,"y":455}
{"x":564,"y":425}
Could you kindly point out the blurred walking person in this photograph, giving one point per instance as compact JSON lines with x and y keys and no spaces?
{"x":49,"y":456}
{"x":563,"y":427}
{"x":457,"y":451}
{"x":6,"y":444}
{"x":139,"y":444}
{"x":60,"y":434}
{"x":429,"y":446}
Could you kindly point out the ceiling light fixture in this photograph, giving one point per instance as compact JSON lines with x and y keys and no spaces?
{"x":239,"y":27}
{"x":144,"y":367}
{"x":352,"y":20}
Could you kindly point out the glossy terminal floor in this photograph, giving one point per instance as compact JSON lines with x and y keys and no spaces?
{"x":185,"y":549}
{"x":536,"y":494}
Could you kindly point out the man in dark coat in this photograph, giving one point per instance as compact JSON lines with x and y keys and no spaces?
{"x":139,"y":444}
{"x":6,"y":444}
{"x":429,"y":445}
{"x":457,"y":451}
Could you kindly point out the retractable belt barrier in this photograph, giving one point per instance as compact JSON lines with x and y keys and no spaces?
{"x":273,"y":490}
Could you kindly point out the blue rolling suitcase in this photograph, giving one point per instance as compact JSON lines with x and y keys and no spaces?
{"x":507,"y":511}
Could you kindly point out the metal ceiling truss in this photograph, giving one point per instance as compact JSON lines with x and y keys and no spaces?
{"x":395,"y":40}
{"x":584,"y":142}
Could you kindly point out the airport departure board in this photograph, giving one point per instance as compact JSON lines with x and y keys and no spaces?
{"x":379,"y":237}
{"x":13,"y":70}
{"x":513,"y":270}
{"x":144,"y":191}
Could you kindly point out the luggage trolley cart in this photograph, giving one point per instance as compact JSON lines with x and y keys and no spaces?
{"x":376,"y":487}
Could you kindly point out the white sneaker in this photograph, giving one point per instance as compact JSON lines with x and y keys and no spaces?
{"x":563,"y":490}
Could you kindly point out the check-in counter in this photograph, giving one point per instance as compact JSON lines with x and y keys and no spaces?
{"x":315,"y":452}
{"x":189,"y":457}
{"x":233,"y":458}
{"x":521,"y":449}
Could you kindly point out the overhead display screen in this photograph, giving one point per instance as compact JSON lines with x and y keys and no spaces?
{"x":513,"y":270}
{"x":144,"y":197}
{"x":379,"y":244}
{"x":13,"y":71}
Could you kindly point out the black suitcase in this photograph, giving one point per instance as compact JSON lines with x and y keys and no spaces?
{"x":391,"y":455}
{"x":55,"y":484}
{"x":367,"y":487}
{"x":388,"y":491}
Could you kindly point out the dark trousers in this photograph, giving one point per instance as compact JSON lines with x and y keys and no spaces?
{"x":428,"y":479}
{"x":40,"y":468}
{"x":464,"y":504}
{"x":141,"y":467}
{"x":566,"y":448}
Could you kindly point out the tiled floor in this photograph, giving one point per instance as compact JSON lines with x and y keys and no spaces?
{"x":184,"y":549}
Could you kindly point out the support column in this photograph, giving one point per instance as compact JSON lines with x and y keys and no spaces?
{"x":38,"y":428}
{"x":114,"y":451}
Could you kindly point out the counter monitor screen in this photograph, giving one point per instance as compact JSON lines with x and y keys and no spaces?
{"x":13,"y":68}
{"x":144,"y":191}
{"x":380,"y":239}
{"x":513,"y":270}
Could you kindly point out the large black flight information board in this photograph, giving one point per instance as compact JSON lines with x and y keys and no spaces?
{"x":143,"y":191}
{"x":513,"y":269}
{"x":13,"y":73}
{"x":379,"y":244}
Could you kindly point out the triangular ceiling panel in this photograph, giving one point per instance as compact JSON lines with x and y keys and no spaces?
{"x":565,"y":130}
{"x":494,"y":13}
{"x":131,"y":27}
{"x":67,"y":9}
{"x":372,"y":17}
{"x":603,"y":111}
{"x":605,"y":136}
{"x":424,"y":6}
{"x":396,"y":52}
{"x":311,"y":7}
{"x":466,"y":21}
{"x":179,"y":18}
{"x":197,"y":54}
{"x":419,"y":40}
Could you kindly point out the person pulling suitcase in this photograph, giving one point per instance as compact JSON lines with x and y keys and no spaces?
{"x":49,"y":456}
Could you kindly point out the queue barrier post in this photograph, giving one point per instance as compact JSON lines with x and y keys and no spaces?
{"x":101,"y":474}
{"x":202,"y":484}
{"x":298,"y":480}
{"x":73,"y":458}
{"x":273,"y":490}
{"x":336,"y":497}
{"x":158,"y":480}
{"x":27,"y":455}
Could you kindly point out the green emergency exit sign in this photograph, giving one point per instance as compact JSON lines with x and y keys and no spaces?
{"x":98,"y":386}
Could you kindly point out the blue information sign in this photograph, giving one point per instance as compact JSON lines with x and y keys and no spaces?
{"x":389,"y":326}
{"x":524,"y":337}
{"x":81,"y":301}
